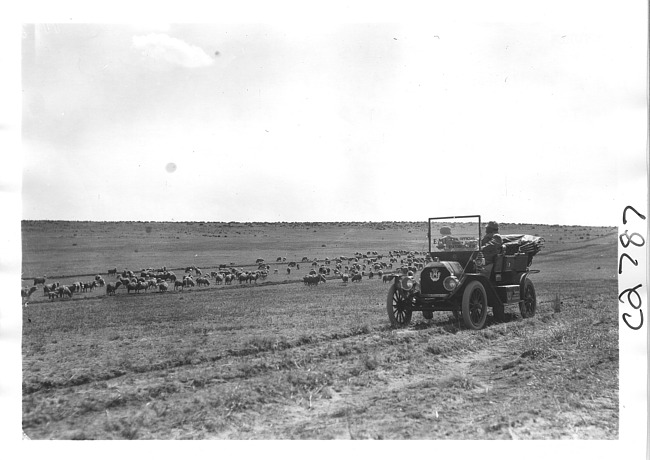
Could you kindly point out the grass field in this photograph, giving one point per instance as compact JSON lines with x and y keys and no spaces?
{"x":280,"y":360}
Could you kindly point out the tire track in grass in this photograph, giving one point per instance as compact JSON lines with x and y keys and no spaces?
{"x":37,"y":385}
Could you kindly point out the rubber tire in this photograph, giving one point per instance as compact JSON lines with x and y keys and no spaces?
{"x":397,"y":318}
{"x":469,"y":294}
{"x":528,"y":305}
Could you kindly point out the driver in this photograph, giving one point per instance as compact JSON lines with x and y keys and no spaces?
{"x":491,"y":245}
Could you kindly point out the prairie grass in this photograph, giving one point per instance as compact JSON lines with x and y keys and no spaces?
{"x":227,"y":362}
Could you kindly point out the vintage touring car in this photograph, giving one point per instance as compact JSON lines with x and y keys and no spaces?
{"x":456,"y":278}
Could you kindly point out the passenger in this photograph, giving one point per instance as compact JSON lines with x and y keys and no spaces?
{"x":491,"y":245}
{"x":447,"y":242}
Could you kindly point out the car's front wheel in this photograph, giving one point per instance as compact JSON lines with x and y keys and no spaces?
{"x":397,"y":307}
{"x":474,"y":305}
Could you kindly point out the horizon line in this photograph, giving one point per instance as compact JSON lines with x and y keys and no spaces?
{"x":291,"y":222}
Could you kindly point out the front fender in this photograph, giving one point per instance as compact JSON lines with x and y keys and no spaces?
{"x":400,"y":282}
{"x":492,"y":296}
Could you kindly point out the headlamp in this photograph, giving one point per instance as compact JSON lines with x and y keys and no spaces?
{"x":480,"y":260}
{"x":450,"y":283}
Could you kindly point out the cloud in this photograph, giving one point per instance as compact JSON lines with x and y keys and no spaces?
{"x":162,"y":47}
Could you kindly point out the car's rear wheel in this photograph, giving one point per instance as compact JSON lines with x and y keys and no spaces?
{"x":474,"y":305}
{"x":528,"y":304}
{"x":397,"y":307}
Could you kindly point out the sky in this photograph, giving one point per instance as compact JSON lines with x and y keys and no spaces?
{"x":518,"y":115}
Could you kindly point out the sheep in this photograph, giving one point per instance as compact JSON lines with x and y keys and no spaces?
{"x":25,"y":293}
{"x":313,"y":280}
{"x":162,"y":287}
{"x":41,"y":280}
{"x":64,"y":290}
{"x":100,"y":281}
{"x":387,"y":278}
{"x":345,"y":277}
{"x":188,"y":282}
{"x":112,"y":271}
{"x":357,"y":277}
{"x":178,"y":284}
{"x":112,"y":287}
{"x":203,"y":281}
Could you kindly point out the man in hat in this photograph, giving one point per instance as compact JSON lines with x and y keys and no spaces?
{"x":447,"y":241}
{"x":491,"y":245}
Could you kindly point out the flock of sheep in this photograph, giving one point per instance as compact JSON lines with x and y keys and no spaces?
{"x":347,"y":269}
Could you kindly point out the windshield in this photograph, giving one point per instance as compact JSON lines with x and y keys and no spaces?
{"x":454,"y":233}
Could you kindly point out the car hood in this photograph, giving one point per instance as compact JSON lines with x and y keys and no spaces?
{"x":454,"y":268}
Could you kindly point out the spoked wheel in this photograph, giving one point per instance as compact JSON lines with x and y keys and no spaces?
{"x":397,"y":306}
{"x":528,"y":304}
{"x":474,"y":305}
